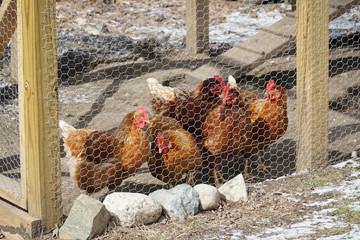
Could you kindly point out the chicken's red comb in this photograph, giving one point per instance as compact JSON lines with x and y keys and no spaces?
{"x":270,"y":85}
{"x":143,"y":111}
{"x":220,"y":80}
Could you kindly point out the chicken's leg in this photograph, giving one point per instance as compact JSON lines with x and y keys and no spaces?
{"x":260,"y":164}
{"x":217,"y":174}
{"x":246,"y":171}
{"x":190,"y":178}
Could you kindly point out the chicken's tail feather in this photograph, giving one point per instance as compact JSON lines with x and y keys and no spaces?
{"x":66,"y":128}
{"x":158,"y":90}
{"x":232,"y":81}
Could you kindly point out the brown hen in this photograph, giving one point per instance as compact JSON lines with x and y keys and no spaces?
{"x":268,"y":118}
{"x":99,"y":158}
{"x":226,"y":131}
{"x":190,"y":108}
{"x":174,"y":151}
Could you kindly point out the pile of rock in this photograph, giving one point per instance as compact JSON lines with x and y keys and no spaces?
{"x":89,"y":217}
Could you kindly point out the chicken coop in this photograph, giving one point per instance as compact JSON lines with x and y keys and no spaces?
{"x":134,"y":96}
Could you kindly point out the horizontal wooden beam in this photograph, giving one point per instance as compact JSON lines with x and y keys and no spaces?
{"x":8,"y":18}
{"x":12,"y":216}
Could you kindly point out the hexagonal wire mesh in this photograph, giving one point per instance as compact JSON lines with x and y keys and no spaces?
{"x":9,"y":118}
{"x":142,"y":108}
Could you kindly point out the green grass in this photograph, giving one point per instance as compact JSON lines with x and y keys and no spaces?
{"x":315,"y":182}
{"x":347,"y":214}
{"x":326,"y":232}
{"x":195,"y":223}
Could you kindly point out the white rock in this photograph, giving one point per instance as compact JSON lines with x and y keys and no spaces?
{"x":88,"y":217}
{"x":234,"y":190}
{"x":91,"y":30}
{"x":209,"y":196}
{"x":133,"y":208}
{"x":81,"y":20}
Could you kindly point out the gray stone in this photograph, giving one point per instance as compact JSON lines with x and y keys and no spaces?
{"x":88,"y":217}
{"x":189,"y":197}
{"x":171,"y":204}
{"x":179,"y":202}
{"x":209,"y":196}
{"x":132,"y":208}
{"x":234,"y":190}
{"x":102,"y":27}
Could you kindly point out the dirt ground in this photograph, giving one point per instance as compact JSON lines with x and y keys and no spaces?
{"x":103,"y":103}
{"x":277,"y":204}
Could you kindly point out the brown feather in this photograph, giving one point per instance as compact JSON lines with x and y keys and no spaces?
{"x":102,"y":158}
{"x":184,"y":155}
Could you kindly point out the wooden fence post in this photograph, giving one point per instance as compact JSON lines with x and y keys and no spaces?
{"x":312,"y":82}
{"x":38,"y":102}
{"x":197,"y":26}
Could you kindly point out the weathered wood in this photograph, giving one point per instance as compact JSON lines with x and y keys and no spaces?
{"x":312,"y":83}
{"x":38,"y":102}
{"x":17,"y":218}
{"x":7,"y":23}
{"x":245,"y":60}
{"x":197,"y":26}
{"x":274,"y":42}
{"x":347,"y":4}
{"x":286,"y":27}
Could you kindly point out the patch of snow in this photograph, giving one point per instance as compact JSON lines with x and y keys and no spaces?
{"x":317,"y":220}
{"x":240,"y":26}
{"x":348,"y":188}
{"x":345,"y":163}
{"x":324,"y":203}
{"x":297,"y":230}
{"x":346,"y":23}
{"x":236,"y":234}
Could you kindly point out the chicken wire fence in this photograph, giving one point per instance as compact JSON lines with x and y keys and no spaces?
{"x":156,"y":94}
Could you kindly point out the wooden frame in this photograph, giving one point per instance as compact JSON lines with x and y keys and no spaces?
{"x":197,"y":26}
{"x":312,"y":64}
{"x":38,"y":103}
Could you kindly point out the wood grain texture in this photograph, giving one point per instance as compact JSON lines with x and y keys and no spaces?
{"x":38,"y":102}
{"x":312,"y":83}
{"x":197,"y":26}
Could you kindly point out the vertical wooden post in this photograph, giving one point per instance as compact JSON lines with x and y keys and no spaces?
{"x":312,"y":82}
{"x":197,"y":26}
{"x":38,"y":100}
